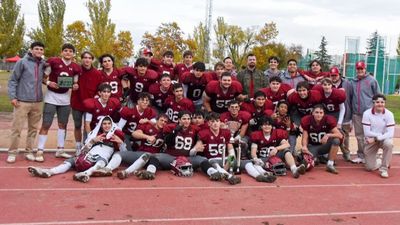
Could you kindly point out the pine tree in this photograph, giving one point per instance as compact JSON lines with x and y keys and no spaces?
{"x":322,"y":55}
{"x":372,"y":44}
{"x":398,"y":46}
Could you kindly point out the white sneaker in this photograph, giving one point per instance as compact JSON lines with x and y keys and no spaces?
{"x":29,"y":156}
{"x":62,"y":154}
{"x":358,"y":160}
{"x":11,"y":158}
{"x":384,"y":174}
{"x":39,"y":156}
{"x":39,"y":172}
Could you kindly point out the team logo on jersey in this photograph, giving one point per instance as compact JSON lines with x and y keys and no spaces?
{"x":60,"y":66}
{"x":262,"y":142}
{"x":218,"y":96}
{"x":151,"y":130}
{"x":212,"y":138}
{"x":133,"y":116}
{"x":97,"y":110}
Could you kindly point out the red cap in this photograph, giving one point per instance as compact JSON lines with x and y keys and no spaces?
{"x":147,"y":51}
{"x":360,"y":65}
{"x":334,"y":71}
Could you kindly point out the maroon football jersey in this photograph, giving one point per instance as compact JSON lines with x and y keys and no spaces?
{"x":150,"y":129}
{"x":159,"y":96}
{"x":211,"y":75}
{"x":264,"y":145}
{"x":279,"y":124}
{"x":332,"y":102}
{"x":195,"y":85}
{"x":305,"y":106}
{"x":132,"y":117}
{"x":59,"y":69}
{"x":88,"y":82}
{"x":214,"y":145}
{"x":180,"y":69}
{"x":317,"y":131}
{"x":313,"y":74}
{"x":167,"y":69}
{"x":140,"y":83}
{"x":94,"y":107}
{"x":219,"y":99}
{"x":154,"y":64}
{"x":172,"y":108}
{"x":114,"y":80}
{"x":277,"y":97}
{"x":184,"y":140}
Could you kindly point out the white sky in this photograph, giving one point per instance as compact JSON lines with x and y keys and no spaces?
{"x":299,"y":22}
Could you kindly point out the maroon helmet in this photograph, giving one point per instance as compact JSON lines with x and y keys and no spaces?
{"x":276,"y":166}
{"x":182,"y":167}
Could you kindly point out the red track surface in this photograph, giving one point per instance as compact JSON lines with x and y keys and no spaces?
{"x":352,"y":197}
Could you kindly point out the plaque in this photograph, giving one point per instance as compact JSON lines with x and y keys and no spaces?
{"x":65,"y":81}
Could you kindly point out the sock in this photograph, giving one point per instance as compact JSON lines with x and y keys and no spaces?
{"x":211,"y":170}
{"x":62,"y":168}
{"x":293,"y":168}
{"x":251,"y":170}
{"x":260,"y":169}
{"x":78,"y":145}
{"x":329,"y":163}
{"x":138,"y":164}
{"x":114,"y":162}
{"x":99,"y":164}
{"x":151,"y":168}
{"x":221,"y":170}
{"x":60,"y":138}
{"x":41,"y":141}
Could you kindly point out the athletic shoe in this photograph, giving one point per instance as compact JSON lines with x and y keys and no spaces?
{"x":11,"y":158}
{"x":234,"y":180}
{"x":39,"y":156}
{"x":82,"y":177}
{"x":39,"y":172}
{"x":61,"y":154}
{"x":384,"y":174}
{"x":217,"y":176}
{"x":301,"y":169}
{"x":266,"y":179}
{"x":102,"y":172}
{"x":358,"y":160}
{"x":29,"y":156}
{"x":346,"y":156}
{"x":331,"y":169}
{"x":145,"y":175}
{"x":122,"y":174}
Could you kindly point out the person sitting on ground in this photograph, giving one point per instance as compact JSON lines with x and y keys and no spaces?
{"x":99,"y":146}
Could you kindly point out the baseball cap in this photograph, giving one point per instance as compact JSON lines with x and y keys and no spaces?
{"x":147,"y":51}
{"x":334,"y":71}
{"x":360,"y":65}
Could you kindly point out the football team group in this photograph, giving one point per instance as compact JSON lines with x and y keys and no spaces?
{"x":162,"y":115}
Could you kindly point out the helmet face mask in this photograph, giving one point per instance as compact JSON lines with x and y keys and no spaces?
{"x":275,"y":165}
{"x":308,"y":161}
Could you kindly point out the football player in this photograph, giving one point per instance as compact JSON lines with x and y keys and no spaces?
{"x":321,"y":136}
{"x":99,"y":146}
{"x":161,"y":90}
{"x":315,"y":74}
{"x":214,"y":143}
{"x":167,"y":65}
{"x":269,"y":142}
{"x":88,"y":82}
{"x":186,"y":66}
{"x":176,"y":103}
{"x":194,"y":83}
{"x":140,"y":78}
{"x":102,"y":106}
{"x":141,"y":113}
{"x":258,"y":107}
{"x":282,"y":121}
{"x":277,"y":91}
{"x":57,"y":99}
{"x":112,"y":76}
{"x":219,"y":93}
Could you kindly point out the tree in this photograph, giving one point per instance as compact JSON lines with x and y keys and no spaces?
{"x":123,"y":46}
{"x":372,"y":43}
{"x":12,"y":28}
{"x":238,"y":42}
{"x":51,"y":30}
{"x":102,"y":30}
{"x":322,"y":55}
{"x":77,"y":35}
{"x":168,"y":36}
{"x":197,"y":43}
{"x":398,"y":46}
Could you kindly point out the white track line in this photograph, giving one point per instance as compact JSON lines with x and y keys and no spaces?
{"x":144,"y":220}
{"x":198,"y":187}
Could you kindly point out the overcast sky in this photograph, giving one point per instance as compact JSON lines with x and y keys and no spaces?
{"x":299,"y":22}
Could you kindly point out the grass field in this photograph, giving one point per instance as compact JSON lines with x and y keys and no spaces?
{"x":393,"y":101}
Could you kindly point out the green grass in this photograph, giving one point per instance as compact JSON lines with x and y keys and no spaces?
{"x":393,"y":104}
